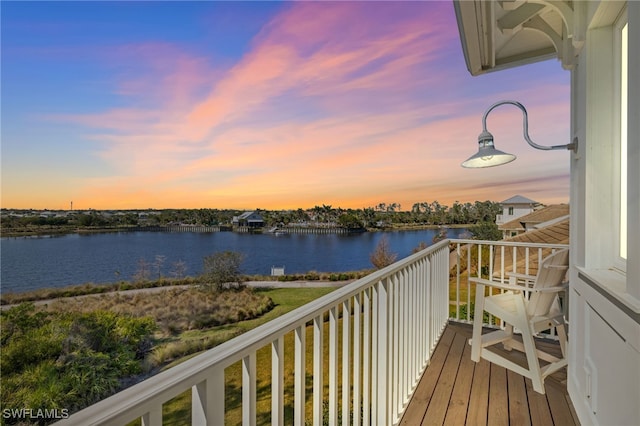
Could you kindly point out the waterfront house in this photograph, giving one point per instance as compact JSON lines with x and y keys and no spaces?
{"x":515,"y":207}
{"x":392,"y":349}
{"x":250,"y":219}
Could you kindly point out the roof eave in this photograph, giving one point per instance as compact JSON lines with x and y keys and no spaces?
{"x":466,"y":18}
{"x":477,"y":27}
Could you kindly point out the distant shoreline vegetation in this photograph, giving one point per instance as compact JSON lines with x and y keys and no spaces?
{"x":325,"y":218}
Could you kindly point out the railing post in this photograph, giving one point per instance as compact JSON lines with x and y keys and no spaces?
{"x":357,"y":314}
{"x":207,"y":401}
{"x":300,"y":375}
{"x":425,"y":308}
{"x":404,"y":353}
{"x":318,"y":355}
{"x":398,"y":386}
{"x":333,"y":366}
{"x":346,"y":340}
{"x":249,"y":390}
{"x":413,"y":324}
{"x":382,"y":385}
{"x":277,"y":381}
{"x":153,"y":417}
{"x":366,"y":360}
{"x":428,"y":301}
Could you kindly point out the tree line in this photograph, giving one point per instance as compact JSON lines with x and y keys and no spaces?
{"x":380,"y":216}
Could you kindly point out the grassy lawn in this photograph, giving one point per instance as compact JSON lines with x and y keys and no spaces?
{"x":178,"y":410}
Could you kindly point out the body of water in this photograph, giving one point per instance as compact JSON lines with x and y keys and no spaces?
{"x":58,"y":261}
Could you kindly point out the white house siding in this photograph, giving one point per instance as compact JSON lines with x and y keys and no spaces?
{"x":604,"y":297}
{"x":604,"y":312}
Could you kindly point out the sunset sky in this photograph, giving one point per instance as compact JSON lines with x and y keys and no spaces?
{"x":273,"y":105}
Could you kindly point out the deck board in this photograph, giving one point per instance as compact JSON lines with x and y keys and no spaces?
{"x":498,"y":397}
{"x":424,"y":391}
{"x":457,"y":391}
{"x":459,"y":403}
{"x":437,"y":410}
{"x":518,"y":404}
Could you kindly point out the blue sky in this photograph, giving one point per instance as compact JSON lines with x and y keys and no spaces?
{"x":261,"y":105}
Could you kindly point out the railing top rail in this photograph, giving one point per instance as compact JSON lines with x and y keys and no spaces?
{"x":165,"y":385}
{"x":508,"y":243}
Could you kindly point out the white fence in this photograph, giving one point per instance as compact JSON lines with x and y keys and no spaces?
{"x":492,"y":260}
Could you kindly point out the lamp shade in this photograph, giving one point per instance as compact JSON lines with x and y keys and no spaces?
{"x":487,"y":155}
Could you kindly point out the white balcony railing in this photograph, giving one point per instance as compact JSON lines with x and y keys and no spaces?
{"x":381,"y":331}
{"x":493,"y":260}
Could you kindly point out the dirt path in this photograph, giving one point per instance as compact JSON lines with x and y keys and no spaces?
{"x":254,"y":284}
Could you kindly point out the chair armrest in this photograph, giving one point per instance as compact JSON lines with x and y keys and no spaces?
{"x":557,"y":266}
{"x":497,"y":284}
{"x":525,"y":280}
{"x":521,"y":276}
{"x":551,"y":289}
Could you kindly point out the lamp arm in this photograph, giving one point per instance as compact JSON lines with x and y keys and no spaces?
{"x":525,"y":127}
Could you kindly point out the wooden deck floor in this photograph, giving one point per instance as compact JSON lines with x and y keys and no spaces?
{"x":456,"y":391}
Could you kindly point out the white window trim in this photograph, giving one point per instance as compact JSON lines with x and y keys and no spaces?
{"x":619,"y":262}
{"x":595,"y":235}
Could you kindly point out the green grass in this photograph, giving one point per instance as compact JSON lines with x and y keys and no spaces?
{"x":178,"y":410}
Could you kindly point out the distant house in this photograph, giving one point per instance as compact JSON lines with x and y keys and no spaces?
{"x":250,"y":219}
{"x":514,"y":208}
{"x":534,"y":220}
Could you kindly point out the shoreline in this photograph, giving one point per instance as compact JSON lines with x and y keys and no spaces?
{"x":55,"y":232}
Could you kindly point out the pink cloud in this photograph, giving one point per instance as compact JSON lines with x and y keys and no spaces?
{"x":346,"y":103}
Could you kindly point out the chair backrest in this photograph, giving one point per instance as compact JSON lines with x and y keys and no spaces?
{"x":551,"y":273}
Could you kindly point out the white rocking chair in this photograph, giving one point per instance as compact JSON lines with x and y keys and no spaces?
{"x":541,"y":311}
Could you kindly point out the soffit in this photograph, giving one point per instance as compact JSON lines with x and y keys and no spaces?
{"x":503,"y":34}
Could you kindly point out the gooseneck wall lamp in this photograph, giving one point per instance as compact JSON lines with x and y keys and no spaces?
{"x":489,"y":156}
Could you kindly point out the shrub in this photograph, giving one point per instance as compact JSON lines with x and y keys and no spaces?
{"x":174,"y":310}
{"x":312,"y":276}
{"x":486,"y":231}
{"x":68,"y":359}
{"x":382,"y":255}
{"x":222,"y":268}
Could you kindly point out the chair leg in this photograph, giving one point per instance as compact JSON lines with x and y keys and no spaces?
{"x":530,"y":349}
{"x":508,"y":329}
{"x":562,"y":336}
{"x":476,"y":339}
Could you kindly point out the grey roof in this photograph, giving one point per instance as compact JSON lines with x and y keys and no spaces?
{"x":543,"y":215}
{"x":250,"y":216}
{"x":557,"y":233}
{"x":519,"y":199}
